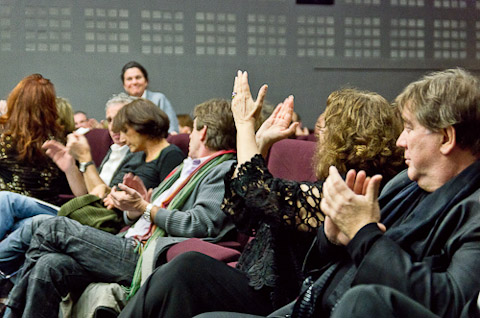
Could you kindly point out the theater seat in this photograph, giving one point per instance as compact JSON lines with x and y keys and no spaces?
{"x":291,"y":159}
{"x":288,"y":159}
{"x":181,"y":141}
{"x":219,"y":252}
{"x":100,"y":141}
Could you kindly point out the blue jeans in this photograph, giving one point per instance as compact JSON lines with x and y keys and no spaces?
{"x":64,"y":257}
{"x":16,"y":244}
{"x":16,"y":208}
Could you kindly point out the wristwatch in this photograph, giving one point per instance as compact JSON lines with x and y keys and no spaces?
{"x":82,"y":166}
{"x":146,"y":213}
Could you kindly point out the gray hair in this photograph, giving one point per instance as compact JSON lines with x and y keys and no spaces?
{"x":121,"y":98}
{"x":443,"y":99}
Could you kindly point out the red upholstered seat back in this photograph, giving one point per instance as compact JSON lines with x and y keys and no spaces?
{"x":181,"y":141}
{"x":100,"y":141}
{"x":288,"y":159}
{"x":292,"y":159}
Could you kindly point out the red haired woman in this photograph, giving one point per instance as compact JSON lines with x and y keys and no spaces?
{"x":30,"y":120}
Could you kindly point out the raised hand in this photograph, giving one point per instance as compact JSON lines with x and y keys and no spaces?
{"x":79,"y":147}
{"x":349,"y":204}
{"x":244,"y":108}
{"x":59,"y":154}
{"x":277,"y":127}
{"x":137,"y":184}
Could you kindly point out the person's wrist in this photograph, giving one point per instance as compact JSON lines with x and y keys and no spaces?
{"x":132,"y":215}
{"x":71,"y":167}
{"x":141,"y":206}
{"x":84,"y":157}
{"x":245,"y":123}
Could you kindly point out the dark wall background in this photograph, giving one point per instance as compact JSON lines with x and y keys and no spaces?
{"x":192,"y":48}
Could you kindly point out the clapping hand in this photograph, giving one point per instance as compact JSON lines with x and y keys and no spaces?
{"x":59,"y":154}
{"x":277,"y":127}
{"x":349,"y":205}
{"x":79,"y":147}
{"x":127,"y":199}
{"x":137,"y":184}
{"x":244,"y":108}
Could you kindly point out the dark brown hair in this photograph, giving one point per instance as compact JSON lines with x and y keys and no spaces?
{"x":133,"y":64}
{"x":144,"y":117}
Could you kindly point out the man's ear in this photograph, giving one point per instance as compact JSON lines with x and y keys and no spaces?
{"x":449,"y":140}
{"x":203,"y":133}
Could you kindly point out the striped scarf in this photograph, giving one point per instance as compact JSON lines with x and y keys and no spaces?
{"x":176,"y":200}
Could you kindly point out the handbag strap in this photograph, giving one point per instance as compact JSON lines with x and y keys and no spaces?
{"x":305,"y":305}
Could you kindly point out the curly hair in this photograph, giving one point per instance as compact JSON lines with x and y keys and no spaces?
{"x":217,"y":115}
{"x":361,"y":129}
{"x":32,"y":117}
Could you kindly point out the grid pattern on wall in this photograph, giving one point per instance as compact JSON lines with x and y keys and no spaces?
{"x":315,"y":36}
{"x":450,"y":4}
{"x":362,"y":37}
{"x":5,"y":28}
{"x":369,"y":31}
{"x":215,"y":34}
{"x":408,"y":3}
{"x":162,"y":32}
{"x":106,"y":30}
{"x":407,"y":38}
{"x":266,"y":35}
{"x":48,"y":29}
{"x":450,"y":39}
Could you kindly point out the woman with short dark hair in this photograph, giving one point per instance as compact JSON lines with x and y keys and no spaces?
{"x":144,"y":127}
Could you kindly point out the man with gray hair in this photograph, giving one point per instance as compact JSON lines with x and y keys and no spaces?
{"x":86,"y":178}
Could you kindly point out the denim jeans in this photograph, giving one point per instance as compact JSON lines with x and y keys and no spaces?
{"x":16,"y":244}
{"x":64,"y":257}
{"x":16,"y":208}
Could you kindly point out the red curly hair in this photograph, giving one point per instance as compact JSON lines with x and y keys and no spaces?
{"x":31,"y":117}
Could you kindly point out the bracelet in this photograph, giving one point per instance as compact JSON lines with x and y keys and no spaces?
{"x":146,"y":213}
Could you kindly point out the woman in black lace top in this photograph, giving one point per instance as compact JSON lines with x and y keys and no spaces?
{"x":357,"y":131}
{"x":30,"y":120}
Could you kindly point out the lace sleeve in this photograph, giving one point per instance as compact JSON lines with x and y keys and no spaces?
{"x":255,"y":197}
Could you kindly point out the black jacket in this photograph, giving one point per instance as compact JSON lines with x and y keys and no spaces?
{"x":431,"y":255}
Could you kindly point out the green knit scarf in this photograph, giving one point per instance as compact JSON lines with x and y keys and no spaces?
{"x":176,"y":202}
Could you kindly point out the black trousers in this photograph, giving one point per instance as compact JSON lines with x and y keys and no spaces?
{"x":379,"y":301}
{"x":366,"y":301}
{"x":194,"y":283}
